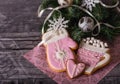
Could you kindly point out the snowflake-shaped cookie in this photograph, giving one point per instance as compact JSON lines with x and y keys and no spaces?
{"x":90,"y":3}
{"x":58,"y":23}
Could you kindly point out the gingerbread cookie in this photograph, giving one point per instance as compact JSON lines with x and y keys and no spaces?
{"x":94,"y":53}
{"x":74,"y":69}
{"x":59,"y":48}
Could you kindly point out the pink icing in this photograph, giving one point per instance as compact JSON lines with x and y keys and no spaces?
{"x":63,"y":45}
{"x":74,"y":69}
{"x":89,"y":57}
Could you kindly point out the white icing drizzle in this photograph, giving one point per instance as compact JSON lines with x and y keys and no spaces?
{"x":60,"y":55}
{"x":74,"y":70}
{"x":57,"y":46}
{"x":53,"y":36}
{"x":94,"y":45}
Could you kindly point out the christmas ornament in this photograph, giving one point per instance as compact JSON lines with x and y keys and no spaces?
{"x":86,"y":24}
{"x":90,"y":3}
{"x":65,"y":2}
{"x":58,"y":23}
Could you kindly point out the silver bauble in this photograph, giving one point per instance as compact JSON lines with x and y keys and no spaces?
{"x":86,"y":24}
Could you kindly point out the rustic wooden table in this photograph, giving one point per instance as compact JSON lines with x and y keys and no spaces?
{"x":19,"y":33}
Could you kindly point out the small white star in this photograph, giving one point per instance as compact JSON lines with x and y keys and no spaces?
{"x":90,"y":3}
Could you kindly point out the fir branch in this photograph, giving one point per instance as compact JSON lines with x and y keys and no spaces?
{"x":114,"y":18}
{"x":49,"y":3}
{"x":76,"y":34}
{"x":100,"y":12}
{"x":77,"y":2}
{"x":109,"y":33}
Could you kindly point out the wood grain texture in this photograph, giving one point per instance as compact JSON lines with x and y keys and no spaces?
{"x":19,"y":33}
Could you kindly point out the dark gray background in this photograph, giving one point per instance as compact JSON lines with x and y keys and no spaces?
{"x":19,"y":33}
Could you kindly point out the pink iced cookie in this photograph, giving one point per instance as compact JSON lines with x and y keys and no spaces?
{"x":89,"y":57}
{"x":59,"y":52}
{"x":59,"y":48}
{"x":73,"y":69}
{"x":94,"y":54}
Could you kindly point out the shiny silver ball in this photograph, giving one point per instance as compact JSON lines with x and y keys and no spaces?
{"x":86,"y":24}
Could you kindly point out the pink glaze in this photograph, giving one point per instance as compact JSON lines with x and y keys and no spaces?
{"x":74,"y":69}
{"x":89,"y":57}
{"x":63,"y":45}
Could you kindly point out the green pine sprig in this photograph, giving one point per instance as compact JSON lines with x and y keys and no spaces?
{"x":49,"y":3}
{"x":110,"y":16}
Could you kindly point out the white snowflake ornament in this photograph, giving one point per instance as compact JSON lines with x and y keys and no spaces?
{"x":59,"y":23}
{"x":90,"y":3}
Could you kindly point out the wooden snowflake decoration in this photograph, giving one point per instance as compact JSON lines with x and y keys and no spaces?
{"x":89,"y":4}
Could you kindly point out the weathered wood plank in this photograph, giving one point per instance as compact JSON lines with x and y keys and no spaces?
{"x":22,"y":39}
{"x":19,"y":35}
{"x":17,"y":45}
{"x":14,"y":66}
{"x":19,"y":32}
{"x":115,"y":72}
{"x":28,"y":81}
{"x":110,"y":80}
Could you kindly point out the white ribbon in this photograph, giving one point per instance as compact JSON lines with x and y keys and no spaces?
{"x":42,"y":42}
{"x":108,"y":25}
{"x":118,"y":9}
{"x":109,"y":6}
{"x":40,"y":12}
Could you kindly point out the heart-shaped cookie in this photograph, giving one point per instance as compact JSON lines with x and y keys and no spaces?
{"x":74,"y":69}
